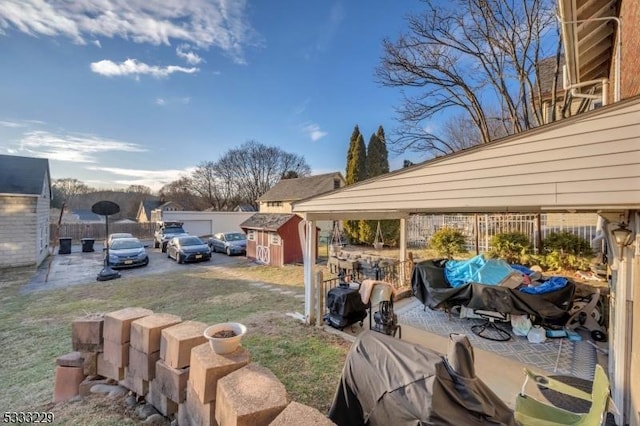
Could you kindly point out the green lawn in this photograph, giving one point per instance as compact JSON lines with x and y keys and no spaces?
{"x":36,"y":328}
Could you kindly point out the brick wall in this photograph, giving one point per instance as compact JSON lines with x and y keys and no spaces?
{"x":630,"y":53}
{"x":18,"y":231}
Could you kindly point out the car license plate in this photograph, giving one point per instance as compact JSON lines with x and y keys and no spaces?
{"x":198,"y":256}
{"x":128,"y":262}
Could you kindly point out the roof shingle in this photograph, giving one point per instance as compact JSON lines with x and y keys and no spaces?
{"x":301,"y":188}
{"x":23,"y":175}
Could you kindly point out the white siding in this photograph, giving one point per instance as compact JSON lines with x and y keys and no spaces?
{"x":585,"y":162}
{"x":208,"y":223}
{"x":18,"y":231}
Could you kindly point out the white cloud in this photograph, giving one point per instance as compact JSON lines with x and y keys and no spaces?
{"x":97,"y":43}
{"x":71,"y":147}
{"x":314,"y":132}
{"x":154,"y":179}
{"x":201,"y":23}
{"x":133,"y":67}
{"x":192,"y":58}
{"x":164,"y":102}
{"x":12,"y":124}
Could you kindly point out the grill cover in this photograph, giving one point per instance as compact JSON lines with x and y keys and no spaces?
{"x":386,"y":381}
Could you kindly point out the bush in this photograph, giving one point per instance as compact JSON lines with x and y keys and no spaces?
{"x":512,"y":247}
{"x":564,"y":250}
{"x":448,"y":242}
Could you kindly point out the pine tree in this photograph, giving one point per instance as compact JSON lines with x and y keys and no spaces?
{"x":377,"y":155}
{"x":378,"y":164}
{"x":356,"y":171}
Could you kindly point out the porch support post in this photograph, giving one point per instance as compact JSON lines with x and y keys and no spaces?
{"x":403,"y":250}
{"x":403,"y":239}
{"x":620,"y":315}
{"x":309,"y":259}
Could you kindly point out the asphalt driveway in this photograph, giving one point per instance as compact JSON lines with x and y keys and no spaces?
{"x":64,"y":270}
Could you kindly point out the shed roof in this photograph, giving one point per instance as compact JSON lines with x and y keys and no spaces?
{"x":267,"y":221}
{"x":304,"y":187}
{"x":23,"y":175}
{"x":588,"y":162}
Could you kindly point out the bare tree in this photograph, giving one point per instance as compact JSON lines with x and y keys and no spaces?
{"x":253,"y":168}
{"x":139,"y":189}
{"x":209,"y":182}
{"x":180,"y":192}
{"x":68,"y":189}
{"x":468,"y":57}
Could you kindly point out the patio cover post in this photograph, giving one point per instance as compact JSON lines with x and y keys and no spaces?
{"x":308,"y":235}
{"x":403,"y":248}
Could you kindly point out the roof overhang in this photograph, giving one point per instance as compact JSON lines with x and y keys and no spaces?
{"x":587,"y":163}
{"x":588,"y":33}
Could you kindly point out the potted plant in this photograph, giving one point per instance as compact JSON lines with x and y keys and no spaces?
{"x":225,"y":337}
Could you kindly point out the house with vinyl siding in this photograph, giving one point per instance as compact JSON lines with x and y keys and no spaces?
{"x":25,"y":197}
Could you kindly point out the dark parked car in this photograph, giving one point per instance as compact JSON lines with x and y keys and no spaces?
{"x":127,"y":252}
{"x":188,"y":249}
{"x":229,"y":242}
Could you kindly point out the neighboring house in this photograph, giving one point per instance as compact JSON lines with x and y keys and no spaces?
{"x":82,"y":216}
{"x":25,"y":198}
{"x":169,"y":206}
{"x":145,"y":209}
{"x":273,"y":238}
{"x":279,"y":198}
{"x":244,"y":208}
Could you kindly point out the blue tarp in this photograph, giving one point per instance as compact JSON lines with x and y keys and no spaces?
{"x":552,"y":284}
{"x":477,"y":270}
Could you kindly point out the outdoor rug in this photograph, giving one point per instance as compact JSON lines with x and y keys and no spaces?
{"x":575,"y":358}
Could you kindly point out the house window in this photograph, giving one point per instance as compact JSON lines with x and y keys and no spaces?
{"x":336,"y":183}
{"x":274,"y":203}
{"x":251,"y":235}
{"x":274,"y":239}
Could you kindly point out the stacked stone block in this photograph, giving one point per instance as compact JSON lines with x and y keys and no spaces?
{"x":205,"y":370}
{"x":71,"y":369}
{"x":117,"y":336}
{"x":250,"y":396}
{"x":297,"y":414}
{"x":168,"y":388}
{"x":144,"y":350}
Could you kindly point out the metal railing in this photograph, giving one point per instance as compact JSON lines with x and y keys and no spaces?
{"x":397,"y":274}
{"x":478,"y":229}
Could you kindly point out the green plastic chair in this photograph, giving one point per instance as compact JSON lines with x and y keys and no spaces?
{"x":530,"y":411}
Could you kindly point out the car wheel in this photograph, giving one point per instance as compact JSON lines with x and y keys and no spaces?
{"x":228,"y":251}
{"x":178,"y":258}
{"x":146,"y":262}
{"x":156,"y":244}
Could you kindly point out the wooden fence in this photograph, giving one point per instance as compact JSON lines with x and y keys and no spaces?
{"x":77,"y":231}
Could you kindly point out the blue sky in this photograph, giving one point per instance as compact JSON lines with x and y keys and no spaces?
{"x":120,"y":92}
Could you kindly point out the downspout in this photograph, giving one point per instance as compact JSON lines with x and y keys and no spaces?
{"x":573,"y":87}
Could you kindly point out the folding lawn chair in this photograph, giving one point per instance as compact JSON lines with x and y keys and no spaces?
{"x":530,"y":411}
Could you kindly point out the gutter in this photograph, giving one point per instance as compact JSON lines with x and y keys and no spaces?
{"x":605,"y":81}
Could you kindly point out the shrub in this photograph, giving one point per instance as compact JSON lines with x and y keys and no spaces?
{"x":564,"y":250}
{"x":448,"y":242}
{"x":513,"y":247}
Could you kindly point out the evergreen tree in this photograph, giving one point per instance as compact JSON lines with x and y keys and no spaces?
{"x":356,"y":171}
{"x":377,"y":155}
{"x":378,"y":164}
